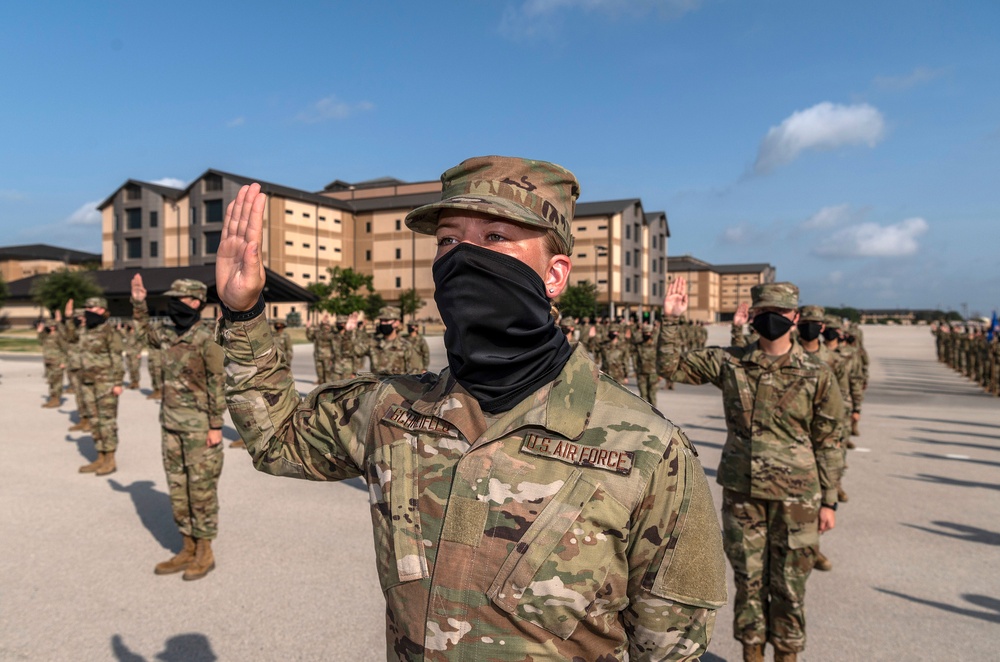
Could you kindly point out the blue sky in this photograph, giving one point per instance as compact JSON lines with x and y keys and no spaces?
{"x":854,"y":145}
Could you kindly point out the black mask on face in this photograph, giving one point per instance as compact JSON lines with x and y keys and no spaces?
{"x":771,"y":325}
{"x":385,"y":329}
{"x":92,"y":319}
{"x":502,"y":343}
{"x":182,"y":315}
{"x":809,"y":330}
{"x":830,"y":334}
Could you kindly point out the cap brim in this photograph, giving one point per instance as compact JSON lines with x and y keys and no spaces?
{"x":424,"y":220}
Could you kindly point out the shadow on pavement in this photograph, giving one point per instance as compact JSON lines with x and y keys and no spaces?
{"x":709,"y":657}
{"x":944,"y":480}
{"x":230,"y":433}
{"x":692,"y":426}
{"x":84,"y":445}
{"x":992,"y":604}
{"x":191,"y":647}
{"x":939,"y":442}
{"x":932,"y":456}
{"x":154,"y":510}
{"x":357,"y":483}
{"x":964,"y":433}
{"x":961,"y":532}
{"x":945,"y":421}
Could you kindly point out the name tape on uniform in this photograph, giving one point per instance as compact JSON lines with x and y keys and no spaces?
{"x":570,"y":452}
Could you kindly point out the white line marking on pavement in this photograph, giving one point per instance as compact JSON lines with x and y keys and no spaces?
{"x":957,"y":457}
{"x":862,"y":450}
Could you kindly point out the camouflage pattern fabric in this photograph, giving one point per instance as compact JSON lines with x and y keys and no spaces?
{"x":54,"y":358}
{"x":71,"y":341}
{"x":133,"y":354}
{"x":386,"y":357}
{"x":193,"y":470}
{"x":154,"y":359}
{"x":645,"y":369}
{"x":578,"y":525}
{"x":100,"y":371}
{"x":344,"y":359}
{"x":283,"y":342}
{"x":321,"y":336}
{"x":614,"y":360}
{"x":420,"y":352}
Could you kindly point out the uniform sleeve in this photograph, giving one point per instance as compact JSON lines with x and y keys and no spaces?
{"x":319,"y":438}
{"x":145,"y":332}
{"x":115,"y":349}
{"x":677,"y":569}
{"x":737,"y":337}
{"x":828,"y":416}
{"x":215,"y":383}
{"x":696,"y":367}
{"x":856,"y":379}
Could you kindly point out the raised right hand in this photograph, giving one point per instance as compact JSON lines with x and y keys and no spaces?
{"x":675,"y":303}
{"x":239,"y":271}
{"x":138,"y":289}
{"x":742,"y":314}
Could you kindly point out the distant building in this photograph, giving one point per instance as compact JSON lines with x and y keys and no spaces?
{"x":18,"y":262}
{"x":715,"y":290}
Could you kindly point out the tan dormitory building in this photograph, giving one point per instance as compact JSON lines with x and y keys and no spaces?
{"x":361,"y":226}
{"x":715,"y":290}
{"x":17,"y":262}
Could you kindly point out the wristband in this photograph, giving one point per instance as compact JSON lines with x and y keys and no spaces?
{"x":244,"y":315}
{"x":831,"y":507}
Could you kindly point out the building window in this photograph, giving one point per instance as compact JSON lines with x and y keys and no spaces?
{"x":154,"y":219}
{"x":581,"y":255}
{"x":289,"y":212}
{"x":306,"y":276}
{"x":133,"y":192}
{"x":154,"y":249}
{"x":213,"y":211}
{"x":628,"y":231}
{"x":194,"y":246}
{"x":628,"y":259}
{"x":602,"y":227}
{"x":118,"y":223}
{"x":133,"y":248}
{"x":628,"y":285}
{"x":194,"y":216}
{"x":288,"y":243}
{"x":322,"y":218}
{"x":274,"y":311}
{"x":368,"y":256}
{"x":654,"y":290}
{"x":212,"y":240}
{"x":398,"y":225}
{"x":115,"y":252}
{"x":638,"y":234}
{"x":636,"y":260}
{"x":636,"y":279}
{"x":336,"y":250}
{"x":213,"y":183}
{"x":368,"y":227}
{"x":322,"y":247}
{"x":305,"y":214}
{"x":399,"y":282}
{"x":654,"y":241}
{"x":322,"y":277}
{"x":304,"y":245}
{"x":336,"y":220}
{"x":289,"y":274}
{"x":133,"y":218}
{"x":399,"y":253}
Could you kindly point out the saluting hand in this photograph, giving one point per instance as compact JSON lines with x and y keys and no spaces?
{"x":138,"y":289}
{"x":675,"y":303}
{"x":239,"y":271}
{"x":742,"y":315}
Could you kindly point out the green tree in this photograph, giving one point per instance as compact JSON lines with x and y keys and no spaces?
{"x":321,"y":290}
{"x":410,"y":302}
{"x":847,"y":312}
{"x":373,"y":305}
{"x":344,"y":291}
{"x":53,"y":290}
{"x":4,"y":292}
{"x":579,"y":300}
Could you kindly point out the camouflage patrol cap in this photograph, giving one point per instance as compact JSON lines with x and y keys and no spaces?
{"x":832,"y":322}
{"x":96,"y":302}
{"x":389,"y":313}
{"x":775,"y":295}
{"x":812,"y":314}
{"x":535,"y":193}
{"x":188,"y":287}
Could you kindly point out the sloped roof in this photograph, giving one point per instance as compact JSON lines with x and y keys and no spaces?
{"x":167,"y":192}
{"x":752,"y":267}
{"x":653,"y":216}
{"x":341,"y":185}
{"x":687,"y":263}
{"x":276,"y":189}
{"x":604,"y":207}
{"x":117,"y":284}
{"x":47,"y":252}
{"x":411,"y":201}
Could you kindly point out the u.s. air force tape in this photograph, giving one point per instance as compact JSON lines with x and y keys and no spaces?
{"x":571,"y":452}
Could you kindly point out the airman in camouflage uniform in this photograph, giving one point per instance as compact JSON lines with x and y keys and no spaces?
{"x":74,"y":363}
{"x":781,"y":461}
{"x":54,"y":358}
{"x":566,"y":521}
{"x":101,"y":377}
{"x":154,"y":363}
{"x":388,"y":353}
{"x":833,"y":335}
{"x":191,"y":416}
{"x":614,"y":358}
{"x":645,"y":364}
{"x":133,"y":354}
{"x":420,"y":352}
{"x":283,"y":341}
{"x":321,"y":337}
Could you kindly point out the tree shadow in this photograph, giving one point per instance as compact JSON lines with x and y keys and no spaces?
{"x":945,"y":421}
{"x":963,"y":532}
{"x":932,"y":456}
{"x":190,"y":647}
{"x":154,"y":510}
{"x":944,"y":480}
{"x":985,"y":601}
{"x":964,"y":433}
{"x":938,"y":442}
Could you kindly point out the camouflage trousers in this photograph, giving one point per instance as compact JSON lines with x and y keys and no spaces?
{"x":54,"y":378}
{"x":771,"y":546}
{"x":132,"y":362}
{"x":74,"y":381}
{"x":647,"y":386}
{"x":323,"y":363}
{"x":193,"y":471}
{"x":100,"y":405}
{"x":155,"y":365}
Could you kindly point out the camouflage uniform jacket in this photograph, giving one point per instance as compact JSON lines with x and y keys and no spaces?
{"x":855,"y":376}
{"x":783,"y":417}
{"x":420,"y":352}
{"x":193,"y":378}
{"x":645,"y":356}
{"x":839,"y":366}
{"x":71,"y":343}
{"x":578,"y":524}
{"x":614,"y":360}
{"x":53,"y":348}
{"x":100,"y":353}
{"x":388,"y":357}
{"x":321,"y":337}
{"x":284,"y":343}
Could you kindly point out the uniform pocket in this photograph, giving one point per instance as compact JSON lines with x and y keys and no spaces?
{"x":393,"y":495}
{"x":802,"y":520}
{"x":552,"y":575}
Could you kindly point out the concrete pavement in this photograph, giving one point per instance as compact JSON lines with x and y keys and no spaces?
{"x":916,"y":570}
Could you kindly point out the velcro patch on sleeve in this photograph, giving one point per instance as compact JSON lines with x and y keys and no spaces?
{"x":570,"y":452}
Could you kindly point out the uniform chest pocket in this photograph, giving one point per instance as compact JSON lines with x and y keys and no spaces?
{"x":553,"y":575}
{"x":393,"y":493}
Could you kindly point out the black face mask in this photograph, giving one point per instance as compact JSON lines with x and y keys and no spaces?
{"x":182,"y":315}
{"x":92,"y":319}
{"x":771,"y":325}
{"x":385,"y":330}
{"x":502,"y":343}
{"x":809,"y":330}
{"x":830,"y":334}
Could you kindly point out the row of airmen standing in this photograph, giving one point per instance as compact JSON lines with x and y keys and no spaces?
{"x":970,"y":351}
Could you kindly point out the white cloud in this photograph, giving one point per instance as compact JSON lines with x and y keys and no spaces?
{"x":86,"y":214}
{"x":874,"y":240}
{"x":825,"y":126}
{"x":330,"y":108}
{"x":172,"y":182}
{"x":828,"y":217}
{"x":235,"y":122}
{"x":918,"y":76}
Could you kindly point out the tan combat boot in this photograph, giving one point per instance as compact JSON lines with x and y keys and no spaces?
{"x":155,"y":395}
{"x":782,"y":656}
{"x":204,"y":561}
{"x":237,"y":444}
{"x":93,"y":466}
{"x":854,"y":429}
{"x":109,"y":466}
{"x":753,"y":652}
{"x":850,"y":444}
{"x":78,"y":425}
{"x":179,"y":561}
{"x":822,"y":563}
{"x":52,"y":403}
{"x":85,"y":425}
